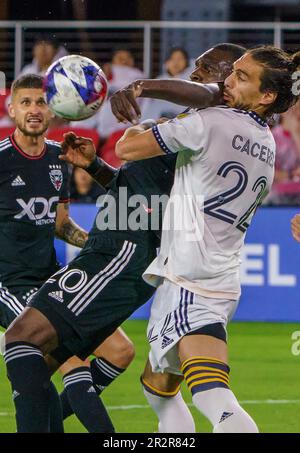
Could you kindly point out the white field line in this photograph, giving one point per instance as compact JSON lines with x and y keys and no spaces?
{"x":141,"y":406}
{"x":145,"y":406}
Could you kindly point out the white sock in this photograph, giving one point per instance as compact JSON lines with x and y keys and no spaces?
{"x":222,"y":409}
{"x":172,"y":412}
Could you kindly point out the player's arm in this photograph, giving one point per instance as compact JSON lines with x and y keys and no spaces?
{"x":66,"y":229}
{"x":80,"y":152}
{"x":182,"y":92}
{"x":295,"y":226}
{"x":137,"y":143}
{"x":181,"y":134}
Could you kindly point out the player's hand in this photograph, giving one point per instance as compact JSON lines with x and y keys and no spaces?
{"x":123,"y":103}
{"x":78,"y":151}
{"x":295,"y":225}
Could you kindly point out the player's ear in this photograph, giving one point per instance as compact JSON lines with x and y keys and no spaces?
{"x":11,"y":111}
{"x":268,"y":97}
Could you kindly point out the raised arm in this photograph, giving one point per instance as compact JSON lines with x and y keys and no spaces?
{"x":183,"y":92}
{"x":186,"y":133}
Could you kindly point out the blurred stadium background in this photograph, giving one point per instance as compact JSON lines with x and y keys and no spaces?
{"x":264,"y":337}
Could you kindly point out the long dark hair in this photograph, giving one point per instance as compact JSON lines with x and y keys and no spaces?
{"x":278,"y":69}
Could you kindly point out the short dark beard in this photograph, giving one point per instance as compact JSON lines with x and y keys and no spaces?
{"x":264,"y":116}
{"x":32,"y":134}
{"x":242,"y":107}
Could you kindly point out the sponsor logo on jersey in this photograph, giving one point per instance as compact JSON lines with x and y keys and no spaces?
{"x":18,"y":181}
{"x":225,"y":415}
{"x":58,"y":295}
{"x":37,"y":208}
{"x":166,"y":341}
{"x":56,"y":176}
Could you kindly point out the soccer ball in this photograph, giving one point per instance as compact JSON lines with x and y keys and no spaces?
{"x":75,"y":87}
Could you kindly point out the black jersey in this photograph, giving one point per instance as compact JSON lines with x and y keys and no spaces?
{"x":30,"y":189}
{"x":148,"y":177}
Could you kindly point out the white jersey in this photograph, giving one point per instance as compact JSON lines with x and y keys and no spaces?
{"x":226,"y":163}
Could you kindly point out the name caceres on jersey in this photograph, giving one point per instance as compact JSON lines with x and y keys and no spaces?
{"x":30,"y":189}
{"x":224,"y":169}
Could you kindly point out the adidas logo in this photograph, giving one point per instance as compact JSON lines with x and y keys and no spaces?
{"x":225,"y":415}
{"x":18,"y":181}
{"x":91,"y":390}
{"x":58,"y":295}
{"x":15,"y":394}
{"x":166,"y":341}
{"x":100,"y":387}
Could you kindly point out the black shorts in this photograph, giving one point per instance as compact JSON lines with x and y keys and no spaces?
{"x":87,"y":300}
{"x":13,"y":302}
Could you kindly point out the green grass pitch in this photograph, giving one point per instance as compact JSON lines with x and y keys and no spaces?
{"x":264,"y":376}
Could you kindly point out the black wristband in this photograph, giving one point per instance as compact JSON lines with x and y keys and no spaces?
{"x":94,"y":166}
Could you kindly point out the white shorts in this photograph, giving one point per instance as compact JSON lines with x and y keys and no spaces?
{"x":174,"y":313}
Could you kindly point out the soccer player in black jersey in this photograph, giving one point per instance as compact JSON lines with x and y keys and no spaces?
{"x":34,"y":208}
{"x":34,"y":200}
{"x":97,"y":291}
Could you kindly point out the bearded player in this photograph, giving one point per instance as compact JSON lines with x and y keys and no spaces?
{"x":34,"y":200}
{"x":225,"y":155}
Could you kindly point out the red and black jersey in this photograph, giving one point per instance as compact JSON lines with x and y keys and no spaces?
{"x":30,"y":189}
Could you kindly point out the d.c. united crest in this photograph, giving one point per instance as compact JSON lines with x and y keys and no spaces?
{"x":56,"y":176}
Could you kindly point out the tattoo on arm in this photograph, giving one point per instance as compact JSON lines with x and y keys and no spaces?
{"x":71,"y":233}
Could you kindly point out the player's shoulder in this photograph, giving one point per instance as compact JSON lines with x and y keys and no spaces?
{"x":219,"y":110}
{"x":5,"y":146}
{"x":53,"y":145}
{"x":53,"y":151}
{"x":53,"y":148}
{"x":213,"y":115}
{"x":222,"y":112}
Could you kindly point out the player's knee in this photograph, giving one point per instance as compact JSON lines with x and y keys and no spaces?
{"x":124,"y":354}
{"x":128,"y":353}
{"x":119,"y":351}
{"x":32,"y":327}
{"x":160,"y":384}
{"x":18,"y":331}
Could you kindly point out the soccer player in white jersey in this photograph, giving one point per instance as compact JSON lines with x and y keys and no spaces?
{"x":225,"y":155}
